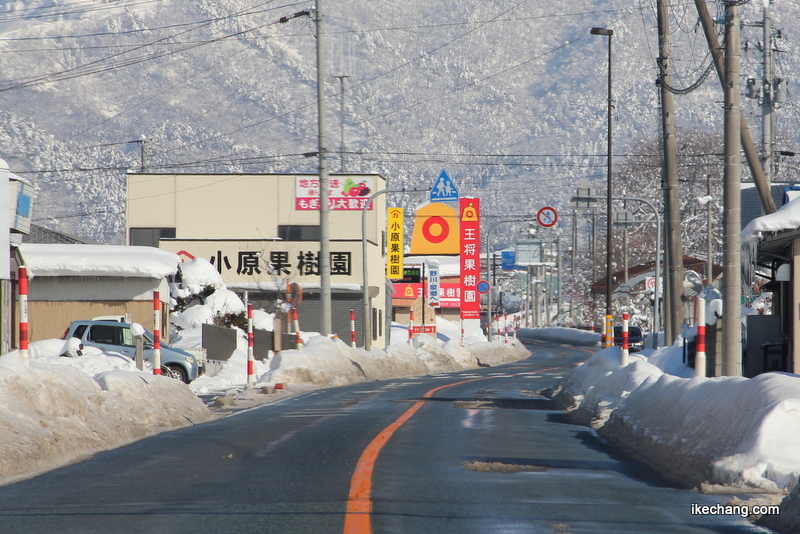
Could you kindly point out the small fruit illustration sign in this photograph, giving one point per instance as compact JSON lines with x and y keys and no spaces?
{"x":343,"y":193}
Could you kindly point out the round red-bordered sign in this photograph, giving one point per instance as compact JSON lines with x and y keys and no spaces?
{"x":547,"y":217}
{"x":483,"y":287}
{"x":429,"y":232}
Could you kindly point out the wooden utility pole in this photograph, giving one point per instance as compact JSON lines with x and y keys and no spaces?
{"x":670,"y":175}
{"x":732,"y":213}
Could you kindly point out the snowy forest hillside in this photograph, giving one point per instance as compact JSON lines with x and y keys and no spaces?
{"x":508,"y":96}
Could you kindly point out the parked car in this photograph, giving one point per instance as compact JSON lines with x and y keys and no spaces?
{"x":635,"y":338}
{"x":115,"y":336}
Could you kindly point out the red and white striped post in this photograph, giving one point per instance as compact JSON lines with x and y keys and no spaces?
{"x":462,"y":332}
{"x":700,"y":355}
{"x":250,"y":356}
{"x":625,"y":348}
{"x":23,"y":314}
{"x":410,"y":325}
{"x":505,"y":326}
{"x":353,"y":328}
{"x":297,"y":340}
{"x":156,"y":333}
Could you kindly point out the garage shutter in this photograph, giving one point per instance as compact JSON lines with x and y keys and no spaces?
{"x":310,"y":314}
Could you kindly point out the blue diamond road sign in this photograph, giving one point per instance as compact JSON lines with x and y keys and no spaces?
{"x":444,"y":189}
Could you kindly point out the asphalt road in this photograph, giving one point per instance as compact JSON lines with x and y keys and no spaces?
{"x":472,"y":452}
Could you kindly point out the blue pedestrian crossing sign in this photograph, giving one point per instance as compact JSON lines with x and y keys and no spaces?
{"x":444,"y":189}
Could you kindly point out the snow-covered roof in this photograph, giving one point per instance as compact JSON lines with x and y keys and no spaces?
{"x":98,"y":260}
{"x":786,"y":218}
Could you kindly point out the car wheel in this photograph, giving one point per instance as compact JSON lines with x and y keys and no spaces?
{"x":175,"y":371}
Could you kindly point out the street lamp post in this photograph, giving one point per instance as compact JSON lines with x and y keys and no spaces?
{"x":609,"y":223}
{"x":367,"y":320}
{"x":587,"y":195}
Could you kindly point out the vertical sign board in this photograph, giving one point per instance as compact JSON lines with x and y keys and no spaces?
{"x":394,"y":268}
{"x":469,"y":214}
{"x":433,"y":283}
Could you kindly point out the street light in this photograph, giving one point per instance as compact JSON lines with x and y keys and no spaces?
{"x":367,"y":306}
{"x":585,"y":195}
{"x":609,"y":222}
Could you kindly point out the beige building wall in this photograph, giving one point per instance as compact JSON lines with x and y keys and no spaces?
{"x":232,"y":220}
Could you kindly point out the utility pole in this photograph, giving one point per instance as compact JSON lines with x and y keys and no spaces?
{"x":574,"y":238}
{"x":342,"y":143}
{"x":670,"y":175}
{"x":731,"y":254}
{"x":142,"y":153}
{"x":750,"y":152}
{"x":324,"y":209}
{"x":709,"y":238}
{"x":767,"y":99}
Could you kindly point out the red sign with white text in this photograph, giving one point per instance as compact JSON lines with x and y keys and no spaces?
{"x":470,"y":229}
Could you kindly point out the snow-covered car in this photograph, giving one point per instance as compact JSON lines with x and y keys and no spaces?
{"x":114,"y":336}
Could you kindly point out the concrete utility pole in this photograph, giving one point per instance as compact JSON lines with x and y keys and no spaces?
{"x":342,"y":143}
{"x":750,"y":152}
{"x":767,"y":100}
{"x":324,"y":209}
{"x":609,"y":209}
{"x":670,"y":174}
{"x":709,"y":237}
{"x":731,"y":218}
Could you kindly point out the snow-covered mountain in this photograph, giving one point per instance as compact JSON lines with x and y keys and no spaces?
{"x":508,"y":96}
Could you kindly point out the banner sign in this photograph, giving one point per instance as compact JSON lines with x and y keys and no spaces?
{"x":449,"y":293}
{"x":343,"y":193}
{"x":394,"y":268}
{"x":433,"y":283}
{"x":470,"y":230}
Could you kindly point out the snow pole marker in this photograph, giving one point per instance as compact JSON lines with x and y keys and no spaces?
{"x":23,"y":314}
{"x":156,"y":332}
{"x":298,"y":342}
{"x":700,"y":355}
{"x":353,"y":328}
{"x":609,"y":331}
{"x":410,"y":325}
{"x":625,"y":348}
{"x":250,"y":357}
{"x":505,"y":327}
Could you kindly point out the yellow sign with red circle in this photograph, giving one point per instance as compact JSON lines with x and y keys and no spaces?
{"x":435,"y":230}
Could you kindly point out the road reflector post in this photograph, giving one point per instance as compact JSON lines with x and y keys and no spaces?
{"x":353,"y":328}
{"x":297,"y":341}
{"x":609,"y":331}
{"x":625,"y":348}
{"x":23,"y":314}
{"x":156,"y":333}
{"x":250,"y":358}
{"x":700,"y":355}
{"x":410,"y":325}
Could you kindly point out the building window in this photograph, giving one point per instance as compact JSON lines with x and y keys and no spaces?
{"x":148,"y":237}
{"x":299,"y":232}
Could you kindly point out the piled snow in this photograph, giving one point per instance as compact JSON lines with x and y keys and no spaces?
{"x":786,"y":218}
{"x":98,"y":260}
{"x":57,"y":413}
{"x":729,"y":431}
{"x":561,"y":335}
{"x":328,"y":362}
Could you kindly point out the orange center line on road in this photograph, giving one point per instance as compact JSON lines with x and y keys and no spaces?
{"x":358,"y":518}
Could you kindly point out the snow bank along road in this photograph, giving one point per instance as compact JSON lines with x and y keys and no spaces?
{"x":475,"y":451}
